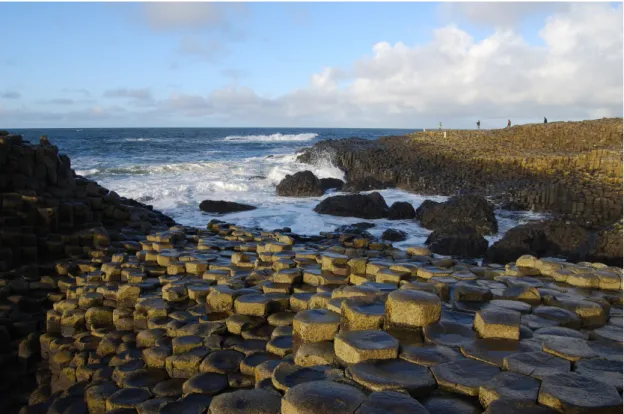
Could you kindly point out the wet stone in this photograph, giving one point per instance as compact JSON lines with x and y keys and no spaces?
{"x":208,"y":383}
{"x":384,"y":402}
{"x":449,"y":334}
{"x":517,"y":407}
{"x":463,"y":376}
{"x":355,"y":346}
{"x":222,"y":361}
{"x":169,"y":388}
{"x":446,"y":403}
{"x":494,"y":351}
{"x":127,"y":398}
{"x":537,"y":364}
{"x":571,"y":349}
{"x":255,"y":401}
{"x":393,"y":374}
{"x":573,"y":392}
{"x":428,"y":355}
{"x":601,"y":370}
{"x":509,"y":385}
{"x":322,"y":397}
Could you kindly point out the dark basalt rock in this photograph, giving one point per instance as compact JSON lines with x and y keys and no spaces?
{"x":394,"y":235}
{"x":369,"y":206}
{"x":401,"y":210}
{"x":471,"y":210}
{"x":457,"y":240}
{"x":364,"y":184}
{"x":557,"y":238}
{"x":223,"y":207}
{"x":329,"y":183}
{"x":301,"y":184}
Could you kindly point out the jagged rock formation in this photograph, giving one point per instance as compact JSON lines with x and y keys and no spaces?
{"x":572,"y":169}
{"x":48,"y":215}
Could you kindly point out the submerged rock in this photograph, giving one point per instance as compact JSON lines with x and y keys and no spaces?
{"x":331,"y":183}
{"x":369,"y":206}
{"x":301,"y":184}
{"x":223,"y":207}
{"x":394,"y":235}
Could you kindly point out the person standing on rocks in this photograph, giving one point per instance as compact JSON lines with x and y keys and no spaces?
{"x":508,"y":123}
{"x":479,"y":124}
{"x":440,"y":127}
{"x":545,"y":120}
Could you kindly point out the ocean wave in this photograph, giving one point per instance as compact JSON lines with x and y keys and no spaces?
{"x":271,"y":138}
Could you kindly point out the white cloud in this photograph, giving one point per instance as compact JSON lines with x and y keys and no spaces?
{"x":576,"y":73}
{"x":503,"y":14}
{"x":143,"y":94}
{"x":190,"y":15}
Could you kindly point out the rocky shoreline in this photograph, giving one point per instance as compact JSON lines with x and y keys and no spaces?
{"x":109,"y":306}
{"x":571,"y":169}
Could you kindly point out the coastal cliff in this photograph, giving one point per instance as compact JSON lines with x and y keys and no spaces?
{"x":571,"y":169}
{"x":48,"y":217}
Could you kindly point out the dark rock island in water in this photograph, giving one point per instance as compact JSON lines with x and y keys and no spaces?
{"x":109,"y":306}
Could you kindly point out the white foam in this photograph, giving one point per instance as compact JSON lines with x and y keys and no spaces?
{"x":271,"y":138}
{"x":177,"y":189}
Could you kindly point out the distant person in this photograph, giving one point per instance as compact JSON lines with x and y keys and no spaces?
{"x":545,"y":120}
{"x":508,"y":123}
{"x":478,"y":124}
{"x":440,"y":126}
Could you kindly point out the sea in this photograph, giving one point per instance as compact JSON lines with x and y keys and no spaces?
{"x":174,"y":169}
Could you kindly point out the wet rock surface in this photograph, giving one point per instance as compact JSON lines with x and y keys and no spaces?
{"x":301,"y":184}
{"x":223,"y":207}
{"x":166,"y":318}
{"x":368,"y":206}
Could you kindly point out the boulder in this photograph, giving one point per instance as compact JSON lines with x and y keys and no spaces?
{"x":364,"y":184}
{"x":356,"y":229}
{"x":301,"y":184}
{"x":223,"y":207}
{"x":457,"y":240}
{"x":329,"y":183}
{"x":469,"y":209}
{"x":549,"y":238}
{"x":401,"y":210}
{"x":394,"y":235}
{"x":368,"y":206}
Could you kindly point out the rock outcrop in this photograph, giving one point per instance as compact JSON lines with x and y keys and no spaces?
{"x":368,"y":206}
{"x":331,"y":183}
{"x":469,"y":210}
{"x":401,"y":210}
{"x":364,"y":184}
{"x":300,"y":184}
{"x":457,"y":240}
{"x":557,"y":238}
{"x":571,"y":169}
{"x":223,"y":207}
{"x":49,"y":218}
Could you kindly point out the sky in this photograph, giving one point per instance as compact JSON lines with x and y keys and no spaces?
{"x":378,"y":65}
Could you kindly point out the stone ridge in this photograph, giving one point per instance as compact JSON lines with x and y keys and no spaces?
{"x":572,"y":169}
{"x":50,"y":216}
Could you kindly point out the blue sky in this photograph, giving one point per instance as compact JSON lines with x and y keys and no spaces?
{"x":306,"y":64}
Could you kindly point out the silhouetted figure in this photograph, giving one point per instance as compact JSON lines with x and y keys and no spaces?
{"x":508,"y":123}
{"x":545,"y":120}
{"x":440,"y":127}
{"x":478,"y":124}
